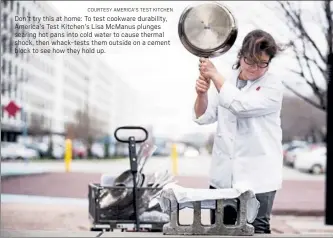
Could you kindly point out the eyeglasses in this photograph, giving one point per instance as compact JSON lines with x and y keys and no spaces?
{"x":261,"y":65}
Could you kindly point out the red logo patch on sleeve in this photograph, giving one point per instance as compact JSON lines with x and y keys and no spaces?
{"x":258,"y":88}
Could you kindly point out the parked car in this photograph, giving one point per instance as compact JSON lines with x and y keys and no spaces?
{"x":79,"y":150}
{"x":98,"y":150}
{"x":313,"y":161}
{"x":39,"y":147}
{"x":43,"y":149}
{"x":292,"y":151}
{"x":58,"y":151}
{"x":191,"y":152}
{"x":16,"y":151}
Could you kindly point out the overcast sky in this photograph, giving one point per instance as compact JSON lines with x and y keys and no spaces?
{"x":166,"y":75}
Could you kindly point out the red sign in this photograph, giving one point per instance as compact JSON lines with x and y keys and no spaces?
{"x":12,"y":108}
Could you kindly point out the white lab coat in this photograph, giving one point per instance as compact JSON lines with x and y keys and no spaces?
{"x":247,"y":150}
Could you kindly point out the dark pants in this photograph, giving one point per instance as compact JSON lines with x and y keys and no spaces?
{"x":261,"y":223}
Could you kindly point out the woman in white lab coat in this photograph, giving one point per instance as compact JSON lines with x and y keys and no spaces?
{"x":247,"y":150}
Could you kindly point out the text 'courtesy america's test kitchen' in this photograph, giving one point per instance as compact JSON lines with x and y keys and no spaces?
{"x":96,"y":31}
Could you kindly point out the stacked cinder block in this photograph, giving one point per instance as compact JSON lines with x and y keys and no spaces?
{"x":241,"y":228}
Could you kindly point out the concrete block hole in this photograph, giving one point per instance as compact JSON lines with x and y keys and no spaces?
{"x":186,"y":215}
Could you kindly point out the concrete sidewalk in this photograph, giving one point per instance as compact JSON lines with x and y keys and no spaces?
{"x":24,"y":169}
{"x":301,"y":225}
{"x":8,"y":233}
{"x":68,"y":214}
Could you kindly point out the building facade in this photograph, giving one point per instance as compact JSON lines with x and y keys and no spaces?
{"x":50,"y":89}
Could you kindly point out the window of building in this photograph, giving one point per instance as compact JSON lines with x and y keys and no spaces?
{"x":3,"y":87}
{"x":12,"y":25}
{"x":11,"y":5}
{"x":9,"y":89}
{"x":4,"y":3}
{"x":17,"y":8}
{"x":22,"y":76}
{"x":23,"y":11}
{"x":3,"y":68}
{"x":4,"y":20}
{"x":15,"y":90}
{"x":10,"y":68}
{"x":11,"y":46}
{"x":22,"y":55}
{"x":4,"y":44}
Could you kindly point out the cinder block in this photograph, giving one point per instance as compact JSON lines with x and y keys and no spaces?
{"x":241,"y":228}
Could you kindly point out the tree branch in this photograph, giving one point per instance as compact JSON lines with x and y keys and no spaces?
{"x":288,"y":13}
{"x":316,"y":64}
{"x":307,"y":63}
{"x":316,"y":90}
{"x":312,"y":84}
{"x":313,"y":103}
{"x":295,"y":18}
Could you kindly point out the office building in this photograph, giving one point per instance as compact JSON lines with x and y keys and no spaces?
{"x":51,"y":88}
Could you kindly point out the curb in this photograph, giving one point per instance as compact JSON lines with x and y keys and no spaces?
{"x":291,"y":212}
{"x":13,"y":175}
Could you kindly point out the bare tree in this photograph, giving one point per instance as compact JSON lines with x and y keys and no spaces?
{"x":85,"y":128}
{"x":301,"y":120}
{"x":312,"y":57}
{"x":36,"y":124}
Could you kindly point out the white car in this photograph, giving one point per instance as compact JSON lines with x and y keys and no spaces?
{"x":313,"y":161}
{"x":10,"y":150}
{"x":98,"y":150}
{"x":58,"y":151}
{"x":293,"y":153}
{"x":191,"y":152}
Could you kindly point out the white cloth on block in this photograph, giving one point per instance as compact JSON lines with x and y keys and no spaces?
{"x":185,"y":197}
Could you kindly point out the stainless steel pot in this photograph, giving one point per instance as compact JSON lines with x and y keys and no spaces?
{"x":207,"y":29}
